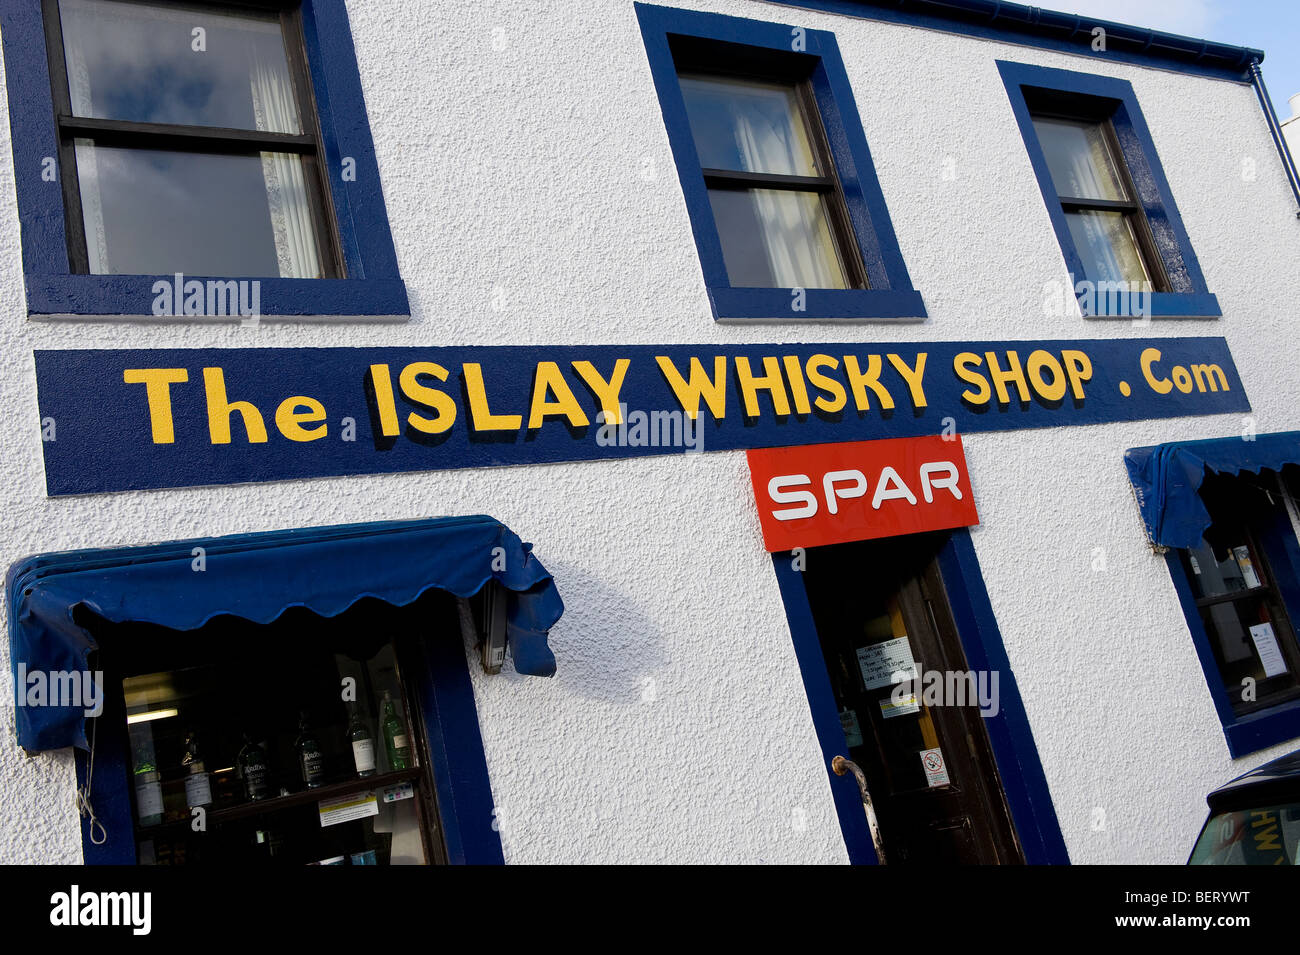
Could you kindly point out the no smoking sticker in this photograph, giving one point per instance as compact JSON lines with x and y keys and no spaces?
{"x":936,"y":770}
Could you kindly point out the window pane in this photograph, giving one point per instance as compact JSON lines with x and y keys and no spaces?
{"x":1243,"y":654}
{"x":773,"y":238}
{"x":748,"y":127}
{"x":145,"y":63}
{"x":1079,"y":159}
{"x":1238,"y":570}
{"x":154,"y":212}
{"x":1264,"y":835}
{"x":1107,"y":246}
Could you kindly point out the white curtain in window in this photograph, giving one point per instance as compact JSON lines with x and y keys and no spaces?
{"x":795,"y":237}
{"x":286,"y":187}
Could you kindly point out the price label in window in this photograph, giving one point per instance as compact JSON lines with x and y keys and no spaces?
{"x":398,"y":792}
{"x":346,"y":808}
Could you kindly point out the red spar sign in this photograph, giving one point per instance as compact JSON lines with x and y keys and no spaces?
{"x":830,"y":493}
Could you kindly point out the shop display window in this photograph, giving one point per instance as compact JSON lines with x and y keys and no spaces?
{"x":296,"y":742}
{"x":1240,"y":592}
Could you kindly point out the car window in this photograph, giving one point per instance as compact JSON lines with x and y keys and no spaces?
{"x":1268,"y":835}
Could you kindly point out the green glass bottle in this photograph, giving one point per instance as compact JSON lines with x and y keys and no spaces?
{"x":396,"y":741}
{"x":148,"y":780}
{"x":311,"y":761}
{"x":363,"y":744}
{"x":253,"y":768}
{"x":198,"y":785}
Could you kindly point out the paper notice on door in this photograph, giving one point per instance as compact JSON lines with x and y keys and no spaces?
{"x":936,"y":770}
{"x":852,"y":729}
{"x":890,"y":707}
{"x":881,"y":663}
{"x":1242,"y":554}
{"x":1270,"y":654}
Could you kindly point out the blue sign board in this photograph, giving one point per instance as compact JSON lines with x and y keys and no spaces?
{"x":114,"y":420}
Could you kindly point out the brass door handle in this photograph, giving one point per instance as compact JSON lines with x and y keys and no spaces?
{"x":841,"y":766}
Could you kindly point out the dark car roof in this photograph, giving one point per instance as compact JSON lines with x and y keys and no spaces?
{"x":1277,"y":779}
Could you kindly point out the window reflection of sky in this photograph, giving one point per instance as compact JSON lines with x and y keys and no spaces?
{"x":197,"y":213}
{"x":136,"y":62}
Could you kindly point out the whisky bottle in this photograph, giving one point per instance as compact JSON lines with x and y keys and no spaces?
{"x":198,"y":785}
{"x":311,"y":761}
{"x":148,"y":781}
{"x":363,"y":744}
{"x":252,"y":766}
{"x":396,"y":742}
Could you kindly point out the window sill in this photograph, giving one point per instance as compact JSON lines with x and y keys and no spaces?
{"x":1263,"y":728}
{"x":133,"y":298}
{"x":780,"y":305}
{"x":1163,"y":305}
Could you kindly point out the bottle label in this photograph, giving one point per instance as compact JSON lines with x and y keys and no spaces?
{"x":148,"y":795}
{"x":255,"y":780}
{"x":399,"y":741}
{"x":198,"y":790}
{"x":313,"y":765}
{"x":363,"y":754}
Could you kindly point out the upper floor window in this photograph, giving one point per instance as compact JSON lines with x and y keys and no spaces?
{"x":192,"y":138}
{"x":1123,"y":240}
{"x":211,"y":141}
{"x":772,"y":185}
{"x":787,"y":214}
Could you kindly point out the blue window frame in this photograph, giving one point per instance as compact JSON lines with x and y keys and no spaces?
{"x":1144,"y":201}
{"x":812,"y":56}
{"x":371,"y":286}
{"x":1270,"y":588}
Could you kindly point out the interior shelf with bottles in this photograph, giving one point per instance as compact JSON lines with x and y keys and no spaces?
{"x":288,"y":743}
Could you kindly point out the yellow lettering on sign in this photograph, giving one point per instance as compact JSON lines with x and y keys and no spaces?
{"x":751,"y":385}
{"x":479,"y":412}
{"x":912,"y":376}
{"x":550,"y":381}
{"x":1078,"y":368}
{"x":962,"y":364}
{"x":860,"y":382}
{"x":798,"y":388}
{"x":838,"y":396}
{"x":712,"y":390}
{"x":606,"y":392}
{"x":382,"y":381}
{"x":157,"y":391}
{"x":432,"y":398}
{"x":290,"y":420}
{"x":220,"y":409}
{"x":1161,"y":386}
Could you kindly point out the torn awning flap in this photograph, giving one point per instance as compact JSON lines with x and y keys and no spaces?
{"x":1167,"y":478}
{"x":257,"y":577}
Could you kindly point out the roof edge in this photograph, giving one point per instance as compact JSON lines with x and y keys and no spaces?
{"x":1050,"y":29}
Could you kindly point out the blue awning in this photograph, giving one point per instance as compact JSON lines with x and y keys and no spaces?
{"x":257,"y":577}
{"x":1167,"y":478}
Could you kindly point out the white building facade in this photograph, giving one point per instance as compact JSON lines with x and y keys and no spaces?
{"x":556,"y":187}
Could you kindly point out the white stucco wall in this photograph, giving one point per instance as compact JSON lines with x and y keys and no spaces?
{"x":534,"y":200}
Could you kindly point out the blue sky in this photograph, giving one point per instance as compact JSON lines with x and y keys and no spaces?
{"x":1269,"y":25}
